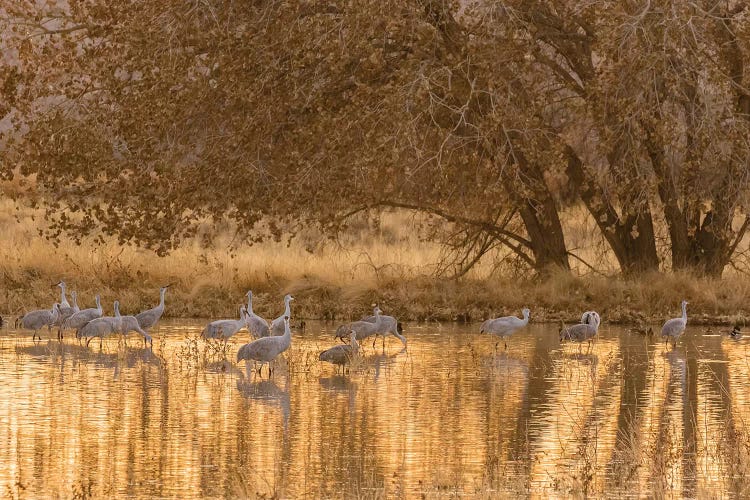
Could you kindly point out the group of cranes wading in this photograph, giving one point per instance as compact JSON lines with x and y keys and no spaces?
{"x":585,"y":331}
{"x":90,"y":323}
{"x":268,"y":341}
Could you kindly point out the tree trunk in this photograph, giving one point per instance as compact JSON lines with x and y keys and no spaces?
{"x":546,"y":235}
{"x":632,"y":240}
{"x":538,"y":211}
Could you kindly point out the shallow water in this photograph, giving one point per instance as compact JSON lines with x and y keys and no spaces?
{"x":448,"y":416}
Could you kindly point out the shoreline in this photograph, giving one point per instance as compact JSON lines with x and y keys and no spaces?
{"x":638,"y":302}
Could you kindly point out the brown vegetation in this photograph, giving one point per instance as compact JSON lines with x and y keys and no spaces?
{"x":336,"y":281}
{"x":146,"y":119}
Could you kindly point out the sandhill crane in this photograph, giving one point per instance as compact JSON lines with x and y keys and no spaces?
{"x":388,"y":326}
{"x":277,"y":325}
{"x":63,"y":300}
{"x":147,"y":319}
{"x":365,"y":328}
{"x":35,"y":320}
{"x":675,"y":327}
{"x":583,"y":332}
{"x":224,"y":328}
{"x":590,"y":317}
{"x":505,"y":327}
{"x":257,"y":326}
{"x":266,"y":349}
{"x":341,"y":355}
{"x":65,"y":313}
{"x":101,"y":327}
{"x":80,"y":318}
{"x":126,"y":324}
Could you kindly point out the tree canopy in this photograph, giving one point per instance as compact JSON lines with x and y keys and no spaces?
{"x":143,"y":119}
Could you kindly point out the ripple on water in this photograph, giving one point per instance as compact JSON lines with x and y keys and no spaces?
{"x":450,"y":415}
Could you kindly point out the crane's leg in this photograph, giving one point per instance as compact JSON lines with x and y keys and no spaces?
{"x":506,"y":344}
{"x":373,"y":342}
{"x":88,"y":340}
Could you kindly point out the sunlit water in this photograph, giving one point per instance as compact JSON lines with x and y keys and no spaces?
{"x":449,"y":416}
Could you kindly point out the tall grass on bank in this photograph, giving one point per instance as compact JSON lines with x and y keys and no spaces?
{"x":390,"y":265}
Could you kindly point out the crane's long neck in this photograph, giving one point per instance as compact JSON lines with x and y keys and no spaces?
{"x":684,"y":312}
{"x":250,"y":304}
{"x":75,"y":300}
{"x":287,"y":308}
{"x":401,"y":338}
{"x":162,"y":292}
{"x":98,"y":304}
{"x":355,"y":344}
{"x":55,"y":312}
{"x":63,"y":300}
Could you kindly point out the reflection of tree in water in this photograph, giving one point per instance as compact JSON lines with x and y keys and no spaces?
{"x":575,"y":429}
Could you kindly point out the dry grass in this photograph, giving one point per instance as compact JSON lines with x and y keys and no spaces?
{"x":390,"y":266}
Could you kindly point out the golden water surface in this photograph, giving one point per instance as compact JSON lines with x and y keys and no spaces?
{"x":449,"y":416}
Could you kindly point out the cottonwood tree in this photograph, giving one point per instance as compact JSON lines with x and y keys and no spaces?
{"x":656,"y":101}
{"x":145,"y":119}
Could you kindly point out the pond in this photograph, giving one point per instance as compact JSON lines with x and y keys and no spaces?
{"x":449,"y":416}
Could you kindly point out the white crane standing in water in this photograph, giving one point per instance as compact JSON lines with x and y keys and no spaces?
{"x":257,"y":326}
{"x":266,"y":349}
{"x":147,"y":319}
{"x":505,"y":327}
{"x":277,"y":325}
{"x":583,"y":332}
{"x":224,"y":329}
{"x":35,"y":320}
{"x":341,"y":355}
{"x":79,"y":319}
{"x":675,"y":327}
